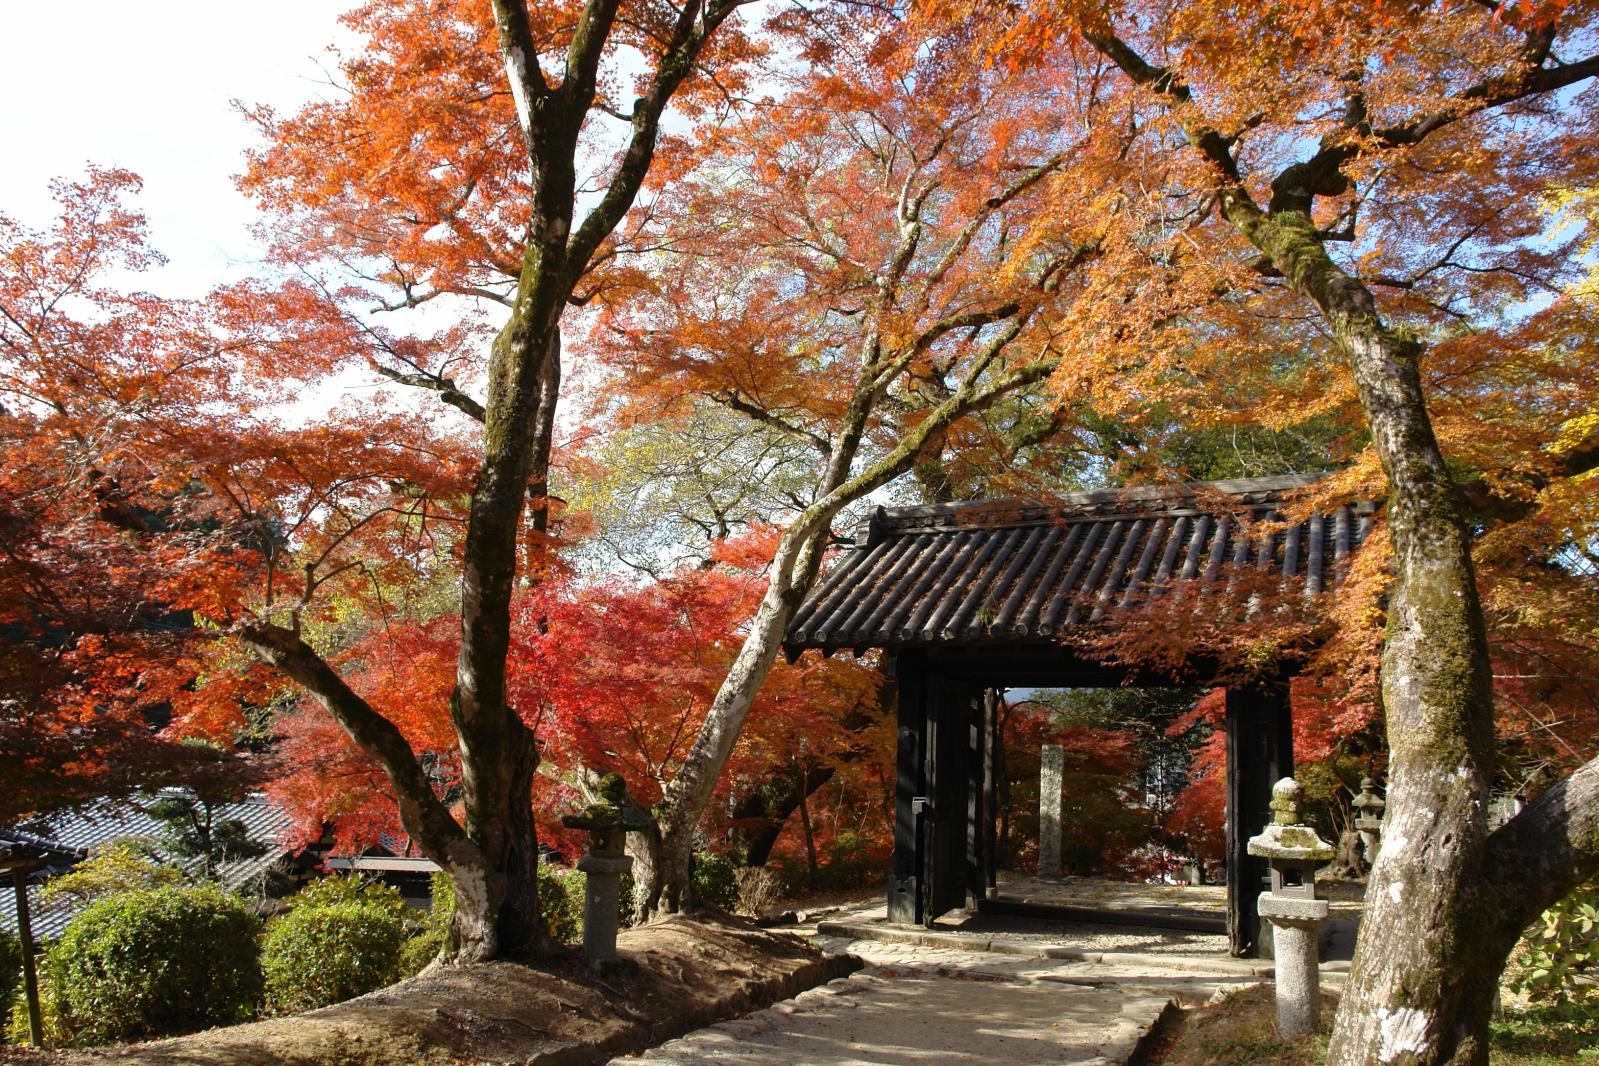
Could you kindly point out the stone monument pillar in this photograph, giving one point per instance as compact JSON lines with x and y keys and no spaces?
{"x":607,"y":822}
{"x":1292,"y":907}
{"x":1052,"y":771}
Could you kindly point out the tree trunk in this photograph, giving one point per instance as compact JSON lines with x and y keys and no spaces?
{"x":496,"y":896}
{"x":1425,"y":965}
{"x":805,"y":827}
{"x":793,"y":568}
{"x":1445,"y":899}
{"x":770,"y":813}
{"x":690,"y":791}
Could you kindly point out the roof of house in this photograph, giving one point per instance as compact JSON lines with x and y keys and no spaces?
{"x":65,"y":839}
{"x":1022,"y":570}
{"x":30,"y":851}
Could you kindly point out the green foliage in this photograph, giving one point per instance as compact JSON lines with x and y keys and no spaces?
{"x":419,"y":951}
{"x":119,"y":866}
{"x":561,"y":893}
{"x":350,"y":888}
{"x":846,"y":862}
{"x":441,"y":890}
{"x":342,"y":937}
{"x":425,"y":946}
{"x":715,"y":881}
{"x":1560,"y":953}
{"x":10,"y":973}
{"x":154,"y":961}
{"x":1565,"y":1033}
{"x":16,"y":1028}
{"x":193,"y":831}
{"x":561,"y":901}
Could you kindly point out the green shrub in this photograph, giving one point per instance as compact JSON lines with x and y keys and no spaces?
{"x":420,"y":950}
{"x":16,"y":1030}
{"x":424,"y":946}
{"x":561,"y":901}
{"x":715,"y":882}
{"x":117,"y":866}
{"x":1560,"y":953}
{"x":343,"y":937}
{"x":155,"y":961}
{"x":10,"y":974}
{"x":349,"y":888}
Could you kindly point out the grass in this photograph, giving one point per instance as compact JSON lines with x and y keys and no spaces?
{"x":1241,"y":1030}
{"x":1547,"y":1036}
{"x":1238,"y":1030}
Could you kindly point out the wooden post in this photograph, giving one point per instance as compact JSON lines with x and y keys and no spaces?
{"x":991,"y":702}
{"x":905,"y":882}
{"x":1259,"y":753}
{"x":30,"y":978}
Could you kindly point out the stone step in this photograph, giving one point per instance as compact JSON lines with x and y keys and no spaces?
{"x":976,"y":943}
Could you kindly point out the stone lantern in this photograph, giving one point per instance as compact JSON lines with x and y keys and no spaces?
{"x":1294,"y":850}
{"x":607,"y":823}
{"x":1368,"y":818}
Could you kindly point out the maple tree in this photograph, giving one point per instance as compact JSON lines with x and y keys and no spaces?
{"x":866,"y":265}
{"x":451,"y":168}
{"x":121,"y":537}
{"x":612,"y":676}
{"x":1382,"y":169}
{"x":266,"y":526}
{"x":936,"y":244}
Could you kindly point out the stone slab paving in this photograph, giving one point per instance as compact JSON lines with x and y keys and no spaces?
{"x":914,"y":1017}
{"x":1200,"y":901}
{"x":966,"y":996}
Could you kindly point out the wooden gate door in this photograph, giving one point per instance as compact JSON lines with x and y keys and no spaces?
{"x":953,"y":712}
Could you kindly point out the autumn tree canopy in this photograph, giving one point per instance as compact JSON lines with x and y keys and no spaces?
{"x":781,"y":262}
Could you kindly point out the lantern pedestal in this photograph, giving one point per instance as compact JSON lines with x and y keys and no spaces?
{"x":1296,"y":925}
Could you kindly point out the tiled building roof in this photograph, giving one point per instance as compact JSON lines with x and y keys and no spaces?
{"x":1017,"y":570}
{"x":66,"y":839}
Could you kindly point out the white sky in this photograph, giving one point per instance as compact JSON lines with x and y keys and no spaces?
{"x":148,"y":85}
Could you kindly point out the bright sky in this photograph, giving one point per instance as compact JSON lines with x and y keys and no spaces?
{"x":148,"y":86}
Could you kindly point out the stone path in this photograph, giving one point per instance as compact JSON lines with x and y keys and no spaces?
{"x":886,"y":1016}
{"x":981,"y":991}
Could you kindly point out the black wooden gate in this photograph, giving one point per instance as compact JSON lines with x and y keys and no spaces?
{"x":943,"y":809}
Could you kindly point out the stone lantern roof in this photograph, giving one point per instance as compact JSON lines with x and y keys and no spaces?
{"x":1286,"y":839}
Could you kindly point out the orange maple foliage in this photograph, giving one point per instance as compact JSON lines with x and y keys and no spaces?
{"x":613,"y":676}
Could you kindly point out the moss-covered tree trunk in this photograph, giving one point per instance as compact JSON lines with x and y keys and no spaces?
{"x":491,"y":855}
{"x":1446,"y":899}
{"x":1435,"y":931}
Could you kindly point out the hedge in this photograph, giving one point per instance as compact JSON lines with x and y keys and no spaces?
{"x":156,"y":961}
{"x":341,"y":938}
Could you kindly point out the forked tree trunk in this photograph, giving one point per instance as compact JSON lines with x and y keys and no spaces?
{"x":496,"y":897}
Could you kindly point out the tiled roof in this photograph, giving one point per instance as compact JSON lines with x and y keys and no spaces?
{"x":36,"y":850}
{"x":71,"y":837}
{"x":1018,"y":570}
